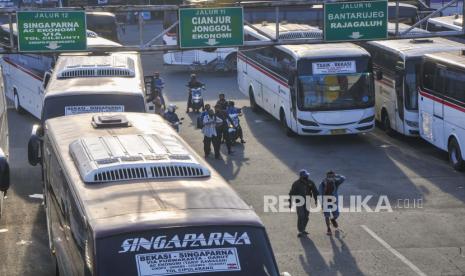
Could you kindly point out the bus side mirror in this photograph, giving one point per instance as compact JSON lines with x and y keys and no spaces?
{"x":33,"y":146}
{"x":47,"y":77}
{"x":379,"y":75}
{"x":4,"y":172}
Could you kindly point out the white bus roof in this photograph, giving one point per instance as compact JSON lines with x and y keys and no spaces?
{"x":417,"y":47}
{"x":324,"y":50}
{"x":451,"y":22}
{"x":78,"y":73}
{"x":455,"y":58}
{"x":403,"y":27}
{"x":144,"y":201}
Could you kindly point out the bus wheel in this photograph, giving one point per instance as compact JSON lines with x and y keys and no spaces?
{"x":253,"y":103}
{"x":387,"y":124}
{"x":18,"y":107}
{"x":286,"y":128}
{"x":455,"y":155}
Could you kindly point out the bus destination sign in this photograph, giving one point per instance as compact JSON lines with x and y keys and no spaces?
{"x":352,"y":21}
{"x":51,"y":31}
{"x":211,"y":27}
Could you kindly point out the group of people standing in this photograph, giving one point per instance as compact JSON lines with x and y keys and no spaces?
{"x":305,"y":188}
{"x":215,"y":126}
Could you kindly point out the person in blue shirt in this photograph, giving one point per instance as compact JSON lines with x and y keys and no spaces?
{"x":202,"y":115}
{"x":159,"y":84}
{"x":230,"y":110}
{"x":171,"y":116}
{"x":329,"y":188}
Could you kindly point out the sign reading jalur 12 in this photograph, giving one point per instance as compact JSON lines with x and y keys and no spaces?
{"x":211,"y":27}
{"x":51,"y":31}
{"x":362,"y":20}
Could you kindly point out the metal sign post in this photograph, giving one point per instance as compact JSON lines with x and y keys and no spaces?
{"x":42,"y":31}
{"x":352,"y":21}
{"x":211,"y":27}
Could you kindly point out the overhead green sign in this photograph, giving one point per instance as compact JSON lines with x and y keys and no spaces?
{"x":351,"y":21}
{"x":42,"y":31}
{"x":211,"y":27}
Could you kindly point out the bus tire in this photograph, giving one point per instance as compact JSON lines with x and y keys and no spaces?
{"x":253,"y":103}
{"x":455,"y":155}
{"x":284,"y":125}
{"x":386,"y":124}
{"x":17,"y":103}
{"x":231,"y":62}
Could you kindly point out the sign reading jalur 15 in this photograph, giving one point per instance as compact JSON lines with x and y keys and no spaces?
{"x":349,"y":21}
{"x":211,"y":27}
{"x":42,"y":31}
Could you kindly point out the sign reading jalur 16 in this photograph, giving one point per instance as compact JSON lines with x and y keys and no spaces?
{"x":51,"y":31}
{"x":362,"y":20}
{"x":211,"y":27}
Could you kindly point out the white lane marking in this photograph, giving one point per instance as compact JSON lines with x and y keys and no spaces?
{"x":393,"y":251}
{"x":23,"y":242}
{"x":3,"y":230}
{"x":39,"y":196}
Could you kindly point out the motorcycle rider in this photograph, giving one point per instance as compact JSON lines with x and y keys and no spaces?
{"x":171,"y":116}
{"x":159,"y":84}
{"x":193,"y":83}
{"x":237,"y":111}
{"x":157,"y":102}
{"x":222,"y":101}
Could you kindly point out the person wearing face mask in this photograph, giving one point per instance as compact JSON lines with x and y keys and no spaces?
{"x":329,"y":191}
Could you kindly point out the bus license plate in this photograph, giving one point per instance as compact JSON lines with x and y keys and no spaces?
{"x":338,"y":131}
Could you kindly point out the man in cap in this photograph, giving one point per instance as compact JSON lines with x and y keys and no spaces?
{"x":329,"y":191}
{"x":302,"y":189}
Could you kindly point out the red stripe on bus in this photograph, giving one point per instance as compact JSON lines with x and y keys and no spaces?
{"x":263,"y":71}
{"x":22,"y":69}
{"x":442,"y":101}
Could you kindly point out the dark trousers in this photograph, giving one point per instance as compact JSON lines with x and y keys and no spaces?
{"x":189,"y":101}
{"x":223,"y":135}
{"x":302,"y":218}
{"x":207,"y":141}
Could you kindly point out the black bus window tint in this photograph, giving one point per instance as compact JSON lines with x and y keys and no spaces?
{"x":439,"y":81}
{"x":429,"y":71}
{"x":455,"y":85}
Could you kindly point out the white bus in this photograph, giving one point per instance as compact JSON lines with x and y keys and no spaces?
{"x":396,"y":65}
{"x":442,"y":104}
{"x":4,"y":146}
{"x":319,"y":89}
{"x":25,"y":74}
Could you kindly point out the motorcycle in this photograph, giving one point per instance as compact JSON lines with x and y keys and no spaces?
{"x":197,"y":99}
{"x":233,"y":127}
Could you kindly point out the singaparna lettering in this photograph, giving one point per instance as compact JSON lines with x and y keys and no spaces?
{"x":357,"y":24}
{"x":52,"y":25}
{"x":188,"y":240}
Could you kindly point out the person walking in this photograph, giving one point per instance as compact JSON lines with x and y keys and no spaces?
{"x":202,"y":115}
{"x":222,"y":129}
{"x":303,"y":188}
{"x":210,"y":135}
{"x":329,"y":191}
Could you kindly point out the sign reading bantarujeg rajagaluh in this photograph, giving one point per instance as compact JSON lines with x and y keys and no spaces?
{"x":51,"y":31}
{"x":362,"y":20}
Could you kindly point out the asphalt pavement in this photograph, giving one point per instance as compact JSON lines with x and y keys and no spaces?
{"x":427,"y":238}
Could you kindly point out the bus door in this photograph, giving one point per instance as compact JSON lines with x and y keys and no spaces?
{"x":242,"y":74}
{"x":293,"y":84}
{"x":438,"y":107}
{"x":399,"y":89}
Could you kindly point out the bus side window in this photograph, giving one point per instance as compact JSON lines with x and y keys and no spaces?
{"x":429,"y":71}
{"x":399,"y":78}
{"x":455,"y":85}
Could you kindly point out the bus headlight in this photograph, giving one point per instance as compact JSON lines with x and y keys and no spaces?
{"x":411,"y":123}
{"x":307,"y":123}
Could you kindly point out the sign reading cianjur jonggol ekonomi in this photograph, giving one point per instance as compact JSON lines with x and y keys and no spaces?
{"x":352,"y":21}
{"x":51,"y":31}
{"x":211,"y":27}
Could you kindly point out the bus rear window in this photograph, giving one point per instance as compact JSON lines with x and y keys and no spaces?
{"x":190,"y":251}
{"x":77,"y":104}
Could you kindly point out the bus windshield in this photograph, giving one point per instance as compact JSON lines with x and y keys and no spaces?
{"x":193,"y":251}
{"x":335,"y":92}
{"x":77,"y":104}
{"x":411,"y":94}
